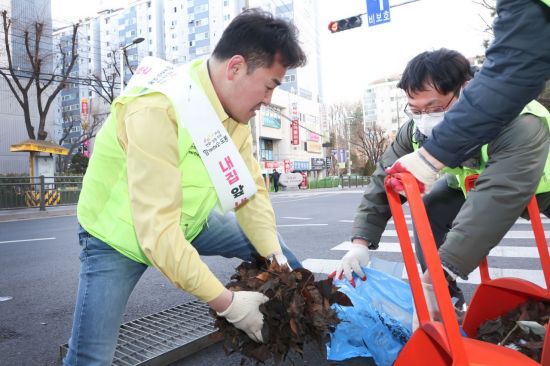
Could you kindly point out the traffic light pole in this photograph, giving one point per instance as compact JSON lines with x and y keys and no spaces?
{"x":356,"y":21}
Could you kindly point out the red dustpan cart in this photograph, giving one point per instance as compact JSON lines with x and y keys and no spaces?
{"x":437,"y":343}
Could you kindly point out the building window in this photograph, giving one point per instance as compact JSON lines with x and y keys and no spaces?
{"x":201,"y":36}
{"x":266,"y":149}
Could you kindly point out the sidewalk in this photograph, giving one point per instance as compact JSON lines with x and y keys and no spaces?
{"x":35,"y":213}
{"x":70,"y":210}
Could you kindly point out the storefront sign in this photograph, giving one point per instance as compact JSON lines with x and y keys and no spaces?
{"x":272,"y":121}
{"x":300,"y":165}
{"x":317,"y":163}
{"x":312,"y":136}
{"x":295,"y":127}
{"x":291,"y":179}
{"x":271,"y":164}
{"x":288,"y":166}
{"x":295,"y":133}
{"x":313,"y":146}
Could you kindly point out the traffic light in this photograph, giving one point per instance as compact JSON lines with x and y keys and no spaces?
{"x":345,"y":24}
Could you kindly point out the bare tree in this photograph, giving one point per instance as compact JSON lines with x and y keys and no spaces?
{"x":47,"y":85}
{"x":492,"y":7}
{"x":370,"y":143}
{"x":88,"y":128}
{"x":106,"y":82}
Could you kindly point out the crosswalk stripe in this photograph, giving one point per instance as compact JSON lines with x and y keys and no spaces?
{"x":498,"y":251}
{"x":409,"y":221}
{"x":327,"y":266}
{"x":299,"y":225}
{"x":514,"y":234}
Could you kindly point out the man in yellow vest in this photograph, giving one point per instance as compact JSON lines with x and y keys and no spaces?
{"x":150,"y":193}
{"x":512,"y":167}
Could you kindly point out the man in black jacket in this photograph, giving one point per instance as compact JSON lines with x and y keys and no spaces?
{"x":276,"y":176}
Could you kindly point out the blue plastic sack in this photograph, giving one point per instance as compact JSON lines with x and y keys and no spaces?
{"x":378,"y":325}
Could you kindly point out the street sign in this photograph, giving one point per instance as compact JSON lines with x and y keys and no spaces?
{"x":378,"y":12}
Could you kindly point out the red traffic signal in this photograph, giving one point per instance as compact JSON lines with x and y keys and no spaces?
{"x":345,"y":24}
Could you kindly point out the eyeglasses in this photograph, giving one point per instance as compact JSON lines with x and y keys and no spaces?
{"x":432,"y":112}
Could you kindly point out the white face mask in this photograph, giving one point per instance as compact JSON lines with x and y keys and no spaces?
{"x":426,"y":123}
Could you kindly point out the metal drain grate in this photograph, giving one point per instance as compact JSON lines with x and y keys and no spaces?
{"x":163,"y":337}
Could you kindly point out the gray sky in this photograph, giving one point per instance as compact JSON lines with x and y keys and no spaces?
{"x":353,"y":58}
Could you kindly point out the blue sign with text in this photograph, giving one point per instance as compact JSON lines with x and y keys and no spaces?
{"x":378,"y":12}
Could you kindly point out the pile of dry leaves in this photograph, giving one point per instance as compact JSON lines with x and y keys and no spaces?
{"x":298,"y":311}
{"x":522,"y":329}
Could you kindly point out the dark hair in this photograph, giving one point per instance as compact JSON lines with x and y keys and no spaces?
{"x":445,"y":70}
{"x":258,"y":36}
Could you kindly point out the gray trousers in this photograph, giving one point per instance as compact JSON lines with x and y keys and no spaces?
{"x":465,"y":230}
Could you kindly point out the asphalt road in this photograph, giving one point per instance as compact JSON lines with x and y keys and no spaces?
{"x":39,"y":272}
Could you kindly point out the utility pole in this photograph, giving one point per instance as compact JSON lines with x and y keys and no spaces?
{"x":347,"y":122}
{"x":122,"y":55}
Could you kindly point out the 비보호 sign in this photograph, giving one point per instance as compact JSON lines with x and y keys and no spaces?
{"x":291,"y":179}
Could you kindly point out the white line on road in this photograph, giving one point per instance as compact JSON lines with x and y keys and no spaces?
{"x":514,"y":234}
{"x":498,"y":251}
{"x":296,"y":218}
{"x":297,"y":225}
{"x":327,"y":266}
{"x":25,"y":240}
{"x":520,"y":221}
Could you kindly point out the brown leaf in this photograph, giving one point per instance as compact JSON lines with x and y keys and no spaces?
{"x":298,"y":311}
{"x":294,"y":326}
{"x":264,"y":276}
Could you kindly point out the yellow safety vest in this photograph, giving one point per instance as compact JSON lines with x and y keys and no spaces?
{"x":534,"y":108}
{"x":104,"y":204}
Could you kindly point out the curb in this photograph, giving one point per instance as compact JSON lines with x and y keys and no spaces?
{"x":32,"y":214}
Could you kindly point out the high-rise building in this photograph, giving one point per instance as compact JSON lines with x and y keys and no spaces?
{"x":183,"y":30}
{"x":383,"y":104}
{"x":305,"y":81}
{"x":23,"y":14}
{"x":100,"y":41}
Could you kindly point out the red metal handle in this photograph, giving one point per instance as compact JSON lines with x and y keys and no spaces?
{"x":427,"y":242}
{"x":469,"y":183}
{"x":538,"y":230}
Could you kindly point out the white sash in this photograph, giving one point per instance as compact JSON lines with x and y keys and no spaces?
{"x":229,"y":174}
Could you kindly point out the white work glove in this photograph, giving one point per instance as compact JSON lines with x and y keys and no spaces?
{"x":419,"y":166}
{"x":244,"y":313}
{"x":280,"y":258}
{"x":431,"y":301}
{"x":355,"y":258}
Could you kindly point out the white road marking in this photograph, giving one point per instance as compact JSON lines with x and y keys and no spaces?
{"x":296,"y":218}
{"x":498,"y":251}
{"x":327,"y":266}
{"x":25,"y":240}
{"x":298,"y":225}
{"x":514,"y":234}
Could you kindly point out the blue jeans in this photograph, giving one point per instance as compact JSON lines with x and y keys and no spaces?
{"x":107,"y":279}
